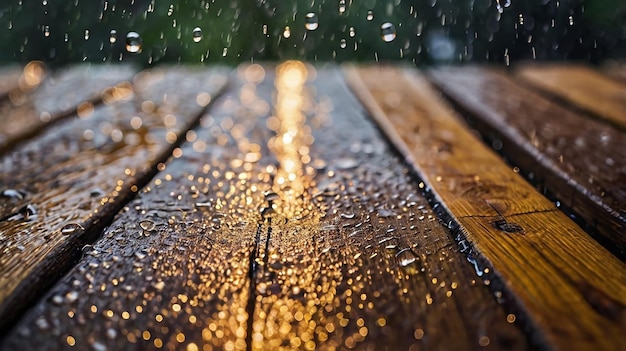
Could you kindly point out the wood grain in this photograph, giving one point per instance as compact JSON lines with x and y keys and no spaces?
{"x":346,"y":253}
{"x":563,"y":281}
{"x":582,"y":87}
{"x":580,"y":160}
{"x":69,"y":92}
{"x":77,"y":175}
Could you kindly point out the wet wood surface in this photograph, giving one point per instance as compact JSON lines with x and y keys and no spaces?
{"x":248,"y":241}
{"x":541,"y":257}
{"x":60,"y":190}
{"x":581,"y":86}
{"x":280,"y":216}
{"x":580,"y":160}
{"x":71,"y":92}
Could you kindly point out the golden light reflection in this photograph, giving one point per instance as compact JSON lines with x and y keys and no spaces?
{"x":290,"y":145}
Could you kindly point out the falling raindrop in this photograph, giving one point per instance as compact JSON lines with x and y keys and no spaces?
{"x":342,"y":6}
{"x":113,"y":36}
{"x":343,"y":43}
{"x":197,"y":34}
{"x":370,"y":15}
{"x":287,"y":32}
{"x":133,"y":42}
{"x":388,"y":32}
{"x":311,"y":22}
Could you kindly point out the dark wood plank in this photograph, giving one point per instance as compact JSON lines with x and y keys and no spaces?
{"x":580,"y":160}
{"x":172,"y":270}
{"x":72,"y":91}
{"x":316,"y":231}
{"x":567,"y":286}
{"x":77,"y":175}
{"x":580,"y":86}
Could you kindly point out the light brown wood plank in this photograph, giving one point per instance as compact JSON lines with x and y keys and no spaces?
{"x":582,"y":87}
{"x":580,"y":161}
{"x":77,"y":175}
{"x":616,"y":70}
{"x":549,"y":266}
{"x":69,"y":92}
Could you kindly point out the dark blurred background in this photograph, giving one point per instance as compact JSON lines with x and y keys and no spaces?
{"x":149,"y":32}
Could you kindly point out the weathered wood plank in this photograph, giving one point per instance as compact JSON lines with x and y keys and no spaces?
{"x":581,"y":86}
{"x":340,"y":233}
{"x":77,"y":175}
{"x":72,"y":91}
{"x":362,"y":261}
{"x":567,"y":286}
{"x":581,"y":161}
{"x":175,"y":263}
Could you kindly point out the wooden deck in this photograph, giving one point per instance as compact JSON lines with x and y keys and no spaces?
{"x":297,"y":207}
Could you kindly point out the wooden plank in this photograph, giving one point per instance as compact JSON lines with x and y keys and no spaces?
{"x":367,"y":265}
{"x":581,"y":161}
{"x":236,"y":235}
{"x":77,"y":175}
{"x":72,"y":91}
{"x":580,"y":86}
{"x":567,"y":286}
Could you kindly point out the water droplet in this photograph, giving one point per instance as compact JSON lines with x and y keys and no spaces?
{"x":133,"y":42}
{"x":348,"y":215}
{"x":197,"y":34}
{"x":347,"y":163}
{"x":342,"y":6}
{"x":388,"y":32}
{"x":70,"y":228}
{"x":370,"y":15}
{"x":159,"y":285}
{"x":287,"y":32}
{"x":147,"y":226}
{"x":311,"y":22}
{"x":96,"y":192}
{"x":13,"y":194}
{"x":343,"y":44}
{"x":113,"y":36}
{"x":408,"y":261}
{"x":71,"y":296}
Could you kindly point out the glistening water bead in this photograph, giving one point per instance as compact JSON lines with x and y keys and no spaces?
{"x":113,"y":36}
{"x":311,"y":22}
{"x":133,"y":42}
{"x":387,"y":32}
{"x":196,"y":34}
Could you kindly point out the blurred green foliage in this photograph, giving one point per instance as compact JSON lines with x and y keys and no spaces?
{"x":233,"y":31}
